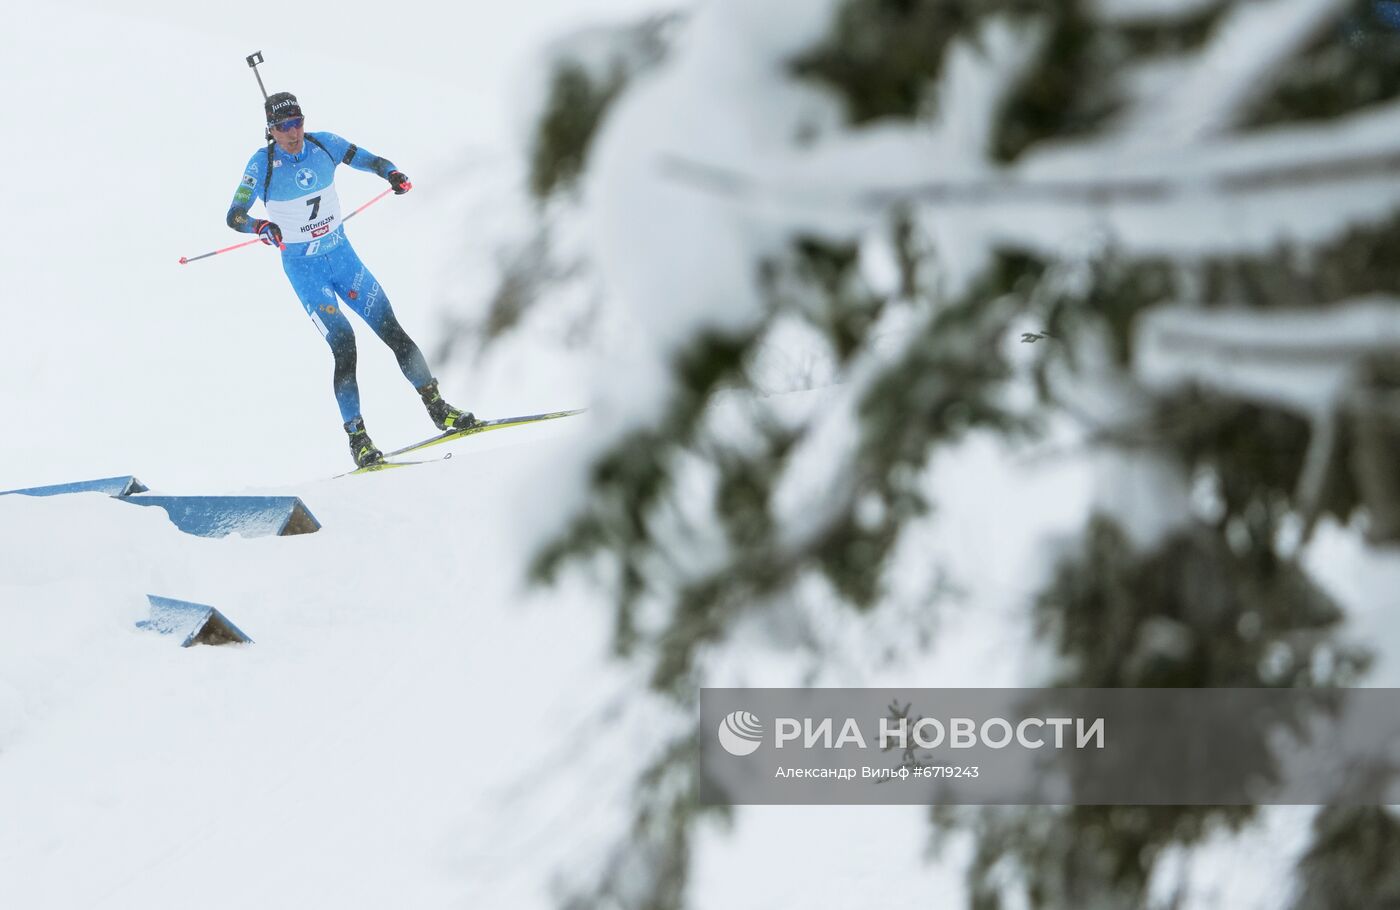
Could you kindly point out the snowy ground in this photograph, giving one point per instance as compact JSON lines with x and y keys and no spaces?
{"x":362,"y":752}
{"x":340,"y":760}
{"x":413,"y":727}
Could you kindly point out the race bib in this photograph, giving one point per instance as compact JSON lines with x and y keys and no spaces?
{"x":306,"y":218}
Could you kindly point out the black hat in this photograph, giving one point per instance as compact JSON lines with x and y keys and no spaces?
{"x":280,"y":107}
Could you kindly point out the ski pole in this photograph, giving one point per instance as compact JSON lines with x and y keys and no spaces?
{"x":368,"y":204}
{"x":185,"y":260}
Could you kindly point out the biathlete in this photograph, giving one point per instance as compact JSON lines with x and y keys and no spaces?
{"x":295,"y":177}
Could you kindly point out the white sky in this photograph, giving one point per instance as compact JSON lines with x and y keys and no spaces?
{"x":471,"y":58}
{"x":428,"y":37}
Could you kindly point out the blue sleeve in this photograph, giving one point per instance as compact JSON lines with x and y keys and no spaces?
{"x":250,"y":189}
{"x":349,"y":153}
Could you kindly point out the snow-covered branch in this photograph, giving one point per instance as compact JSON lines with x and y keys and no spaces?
{"x":1302,"y":360}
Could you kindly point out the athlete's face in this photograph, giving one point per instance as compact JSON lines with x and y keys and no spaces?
{"x":288,"y":134}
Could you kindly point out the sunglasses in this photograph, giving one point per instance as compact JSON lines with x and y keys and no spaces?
{"x":285,"y":125}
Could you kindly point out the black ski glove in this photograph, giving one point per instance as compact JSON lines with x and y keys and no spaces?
{"x":400,"y":182}
{"x":268,"y":232}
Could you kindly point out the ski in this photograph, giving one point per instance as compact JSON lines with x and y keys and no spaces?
{"x":386,"y":465}
{"x":481,"y":426}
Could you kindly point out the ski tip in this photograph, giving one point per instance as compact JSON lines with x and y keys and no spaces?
{"x":184,"y":260}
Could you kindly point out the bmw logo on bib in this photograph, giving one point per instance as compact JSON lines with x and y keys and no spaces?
{"x":306,"y":178}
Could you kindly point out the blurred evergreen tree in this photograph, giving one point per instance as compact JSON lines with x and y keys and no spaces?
{"x":1216,"y":602}
{"x":584,"y":80}
{"x":1351,"y":862}
{"x":577,"y":100}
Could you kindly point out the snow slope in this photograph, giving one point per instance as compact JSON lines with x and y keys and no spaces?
{"x":397,"y":672}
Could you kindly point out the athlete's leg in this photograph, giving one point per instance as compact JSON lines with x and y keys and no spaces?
{"x":363,"y":294}
{"x":311,"y":281}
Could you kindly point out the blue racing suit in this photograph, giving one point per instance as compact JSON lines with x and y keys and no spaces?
{"x":299,"y":193}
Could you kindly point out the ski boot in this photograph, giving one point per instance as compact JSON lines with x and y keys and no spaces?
{"x":362,"y":448}
{"x":444,"y":415}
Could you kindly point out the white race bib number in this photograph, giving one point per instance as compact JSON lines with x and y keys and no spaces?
{"x":307,"y":218}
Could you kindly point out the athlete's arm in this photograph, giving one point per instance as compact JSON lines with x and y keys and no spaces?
{"x":346,"y":152}
{"x":249,"y":189}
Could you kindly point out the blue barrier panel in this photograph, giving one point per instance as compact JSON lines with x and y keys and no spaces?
{"x":219,"y":516}
{"x":193,"y":624}
{"x":112,"y":486}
